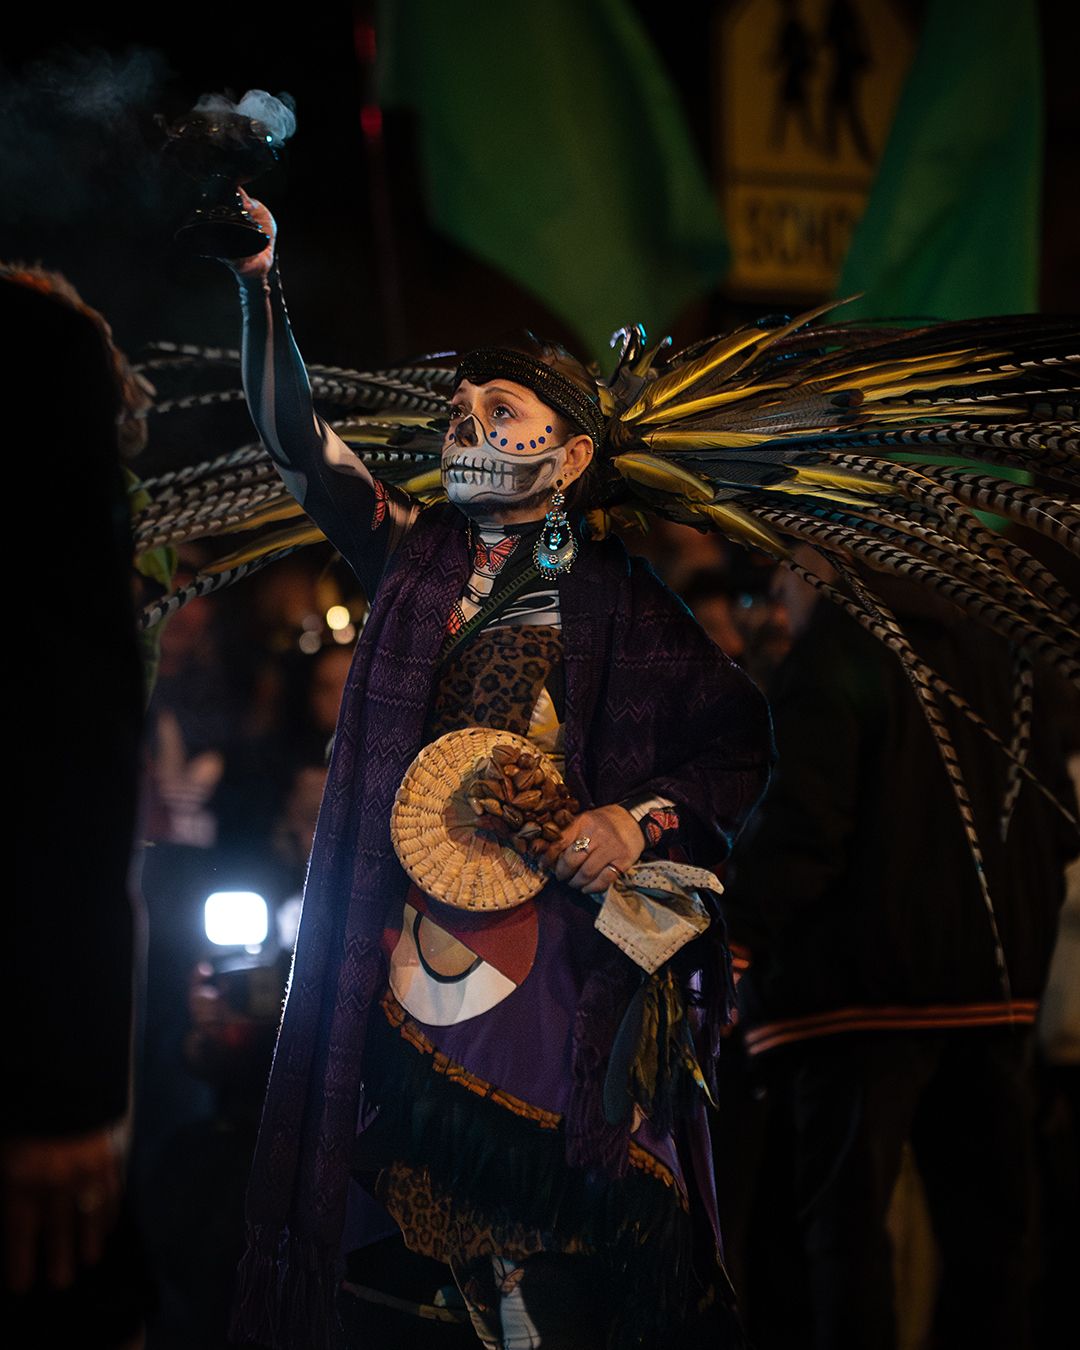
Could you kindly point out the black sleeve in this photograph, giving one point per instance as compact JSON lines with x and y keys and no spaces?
{"x":363,"y":518}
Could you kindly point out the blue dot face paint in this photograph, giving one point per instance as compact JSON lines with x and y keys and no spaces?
{"x":492,"y":475}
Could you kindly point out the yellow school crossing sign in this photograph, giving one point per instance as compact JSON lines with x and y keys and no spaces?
{"x":805,"y":95}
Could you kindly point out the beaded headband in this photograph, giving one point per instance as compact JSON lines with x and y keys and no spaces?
{"x":488,"y":363}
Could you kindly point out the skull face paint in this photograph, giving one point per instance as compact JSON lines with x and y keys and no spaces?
{"x":498,"y":453}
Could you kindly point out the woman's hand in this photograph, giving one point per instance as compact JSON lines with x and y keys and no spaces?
{"x":259,"y":264}
{"x":615,"y":843}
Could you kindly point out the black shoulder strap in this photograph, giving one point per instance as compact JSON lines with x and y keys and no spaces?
{"x":494,"y":603}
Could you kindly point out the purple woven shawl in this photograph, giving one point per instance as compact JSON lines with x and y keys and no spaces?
{"x":649,"y":700}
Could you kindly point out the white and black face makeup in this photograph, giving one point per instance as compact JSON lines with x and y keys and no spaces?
{"x":500,"y":452}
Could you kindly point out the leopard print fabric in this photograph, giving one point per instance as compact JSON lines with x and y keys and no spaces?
{"x":496,"y":680}
{"x":437,"y":1224}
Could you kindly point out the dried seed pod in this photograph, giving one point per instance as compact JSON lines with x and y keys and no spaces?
{"x":513,"y":815}
{"x":550,"y":830}
{"x":492,"y":806}
{"x":529,"y":830}
{"x":477,"y":806}
{"x":503,"y":755}
{"x":525,"y":801}
{"x":563,"y":818}
{"x":526,"y":778}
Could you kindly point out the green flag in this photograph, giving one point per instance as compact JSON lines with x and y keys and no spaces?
{"x":554,"y":148}
{"x":951,"y":229}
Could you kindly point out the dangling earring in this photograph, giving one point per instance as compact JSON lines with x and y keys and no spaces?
{"x":556,"y":547}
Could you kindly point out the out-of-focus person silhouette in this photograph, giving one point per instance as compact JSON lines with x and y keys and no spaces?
{"x":678,"y":552}
{"x":72,"y":1270}
{"x":712,"y":600}
{"x":736,"y":608}
{"x":261,"y":771}
{"x":846,"y":45}
{"x":793,"y":58}
{"x":873,"y":1005}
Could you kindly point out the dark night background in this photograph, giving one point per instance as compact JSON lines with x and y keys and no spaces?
{"x":84,"y":189}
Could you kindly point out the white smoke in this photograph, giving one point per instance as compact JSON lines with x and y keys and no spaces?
{"x":74,"y":134}
{"x":277,"y":115}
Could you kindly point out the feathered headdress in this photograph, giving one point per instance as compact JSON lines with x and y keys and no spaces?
{"x":785,"y":431}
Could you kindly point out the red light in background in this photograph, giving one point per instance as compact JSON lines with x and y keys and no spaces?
{"x":364,"y":41}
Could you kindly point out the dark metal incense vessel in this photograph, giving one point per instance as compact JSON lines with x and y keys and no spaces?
{"x":221,"y":150}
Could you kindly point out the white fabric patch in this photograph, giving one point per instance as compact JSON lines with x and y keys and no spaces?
{"x":441,"y":1001}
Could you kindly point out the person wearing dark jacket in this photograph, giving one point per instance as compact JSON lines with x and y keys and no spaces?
{"x":70,"y":1262}
{"x":873,"y":997}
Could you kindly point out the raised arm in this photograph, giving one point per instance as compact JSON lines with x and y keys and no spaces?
{"x":362,"y":517}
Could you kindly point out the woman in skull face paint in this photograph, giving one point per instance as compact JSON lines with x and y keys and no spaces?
{"x":482,"y":1041}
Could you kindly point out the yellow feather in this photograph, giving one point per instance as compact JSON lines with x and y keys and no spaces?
{"x":670,"y":386}
{"x":405,"y":419}
{"x":704,"y":440}
{"x":741,"y":526}
{"x":665,"y":477}
{"x":799,"y":321}
{"x":288,"y":510}
{"x":916,"y":384}
{"x":298,"y":535}
{"x":357,"y":439}
{"x":835,"y":495}
{"x":840,"y":478}
{"x":631,"y":518}
{"x":876,"y":371}
{"x":672,"y":412}
{"x":428,"y":481}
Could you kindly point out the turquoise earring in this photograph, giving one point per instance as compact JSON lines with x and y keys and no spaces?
{"x":556,"y":547}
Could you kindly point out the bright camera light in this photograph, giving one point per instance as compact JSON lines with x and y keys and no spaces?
{"x":337,"y":616}
{"x":236,"y":919}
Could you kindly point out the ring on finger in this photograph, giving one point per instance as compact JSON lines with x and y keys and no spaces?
{"x":616,"y":869}
{"x":581,"y":844}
